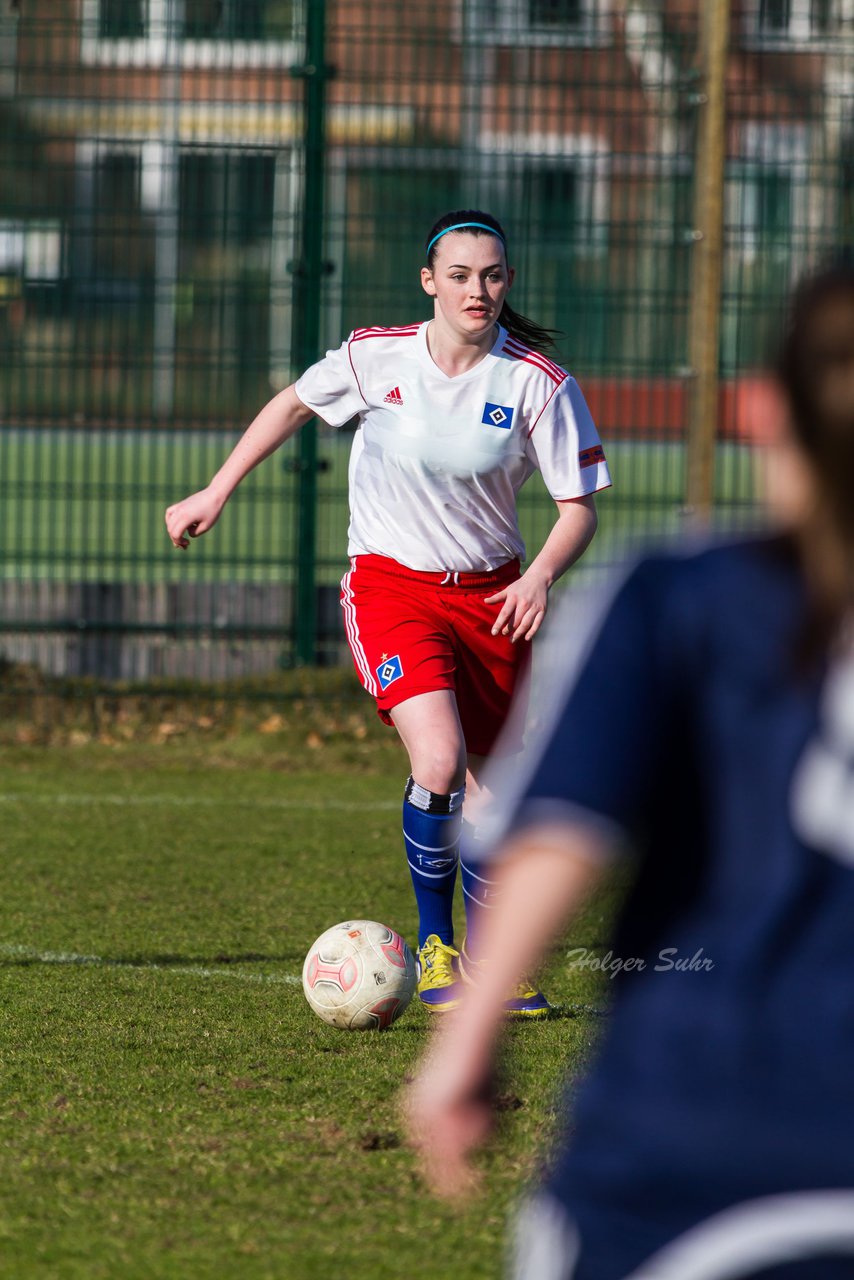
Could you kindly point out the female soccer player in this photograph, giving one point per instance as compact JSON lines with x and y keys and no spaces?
{"x":712,"y":726}
{"x":455,"y":413}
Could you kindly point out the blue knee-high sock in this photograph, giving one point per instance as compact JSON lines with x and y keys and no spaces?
{"x":431,"y":834}
{"x":479,"y":890}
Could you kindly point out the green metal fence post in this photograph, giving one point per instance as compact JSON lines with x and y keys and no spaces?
{"x":308,"y":274}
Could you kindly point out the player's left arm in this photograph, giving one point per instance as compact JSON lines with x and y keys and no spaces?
{"x":545,"y":874}
{"x":525,"y":601}
{"x":567,"y":809}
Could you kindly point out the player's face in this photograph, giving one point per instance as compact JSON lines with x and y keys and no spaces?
{"x":469,"y":282}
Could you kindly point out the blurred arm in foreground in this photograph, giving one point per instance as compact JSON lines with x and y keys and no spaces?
{"x":545,"y":874}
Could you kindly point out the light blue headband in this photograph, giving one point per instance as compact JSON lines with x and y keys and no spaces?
{"x":458,"y":227}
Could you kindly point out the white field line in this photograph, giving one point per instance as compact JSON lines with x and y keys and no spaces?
{"x":31,"y":955}
{"x":36,"y":956}
{"x":75,"y":799}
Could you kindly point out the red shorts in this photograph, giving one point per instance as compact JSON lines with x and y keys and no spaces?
{"x":411,"y":632}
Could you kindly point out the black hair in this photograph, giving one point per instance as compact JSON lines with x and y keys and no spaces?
{"x":815,"y":367}
{"x":518,"y":326}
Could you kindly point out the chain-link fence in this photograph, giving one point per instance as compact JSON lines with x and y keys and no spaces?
{"x":197,"y":197}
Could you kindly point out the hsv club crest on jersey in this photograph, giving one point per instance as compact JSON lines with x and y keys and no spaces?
{"x":497,"y":415}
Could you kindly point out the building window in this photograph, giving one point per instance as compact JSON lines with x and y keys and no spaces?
{"x":846,"y":197}
{"x":765,"y":215}
{"x":112,"y":237}
{"x":117,"y":184}
{"x":770,"y":198}
{"x":767,"y":192}
{"x":793,"y":20}
{"x":561,"y":275}
{"x":551,"y":200}
{"x":546,"y":22}
{"x":763,"y":200}
{"x":238,"y":19}
{"x":555,"y":15}
{"x":220,"y":33}
{"x":383,"y":223}
{"x":121,"y":19}
{"x":225,"y":197}
{"x":768,"y":236}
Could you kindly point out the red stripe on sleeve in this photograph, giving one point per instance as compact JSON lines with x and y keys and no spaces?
{"x":590,"y":457}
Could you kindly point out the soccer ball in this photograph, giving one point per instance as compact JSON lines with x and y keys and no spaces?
{"x":359,"y":975}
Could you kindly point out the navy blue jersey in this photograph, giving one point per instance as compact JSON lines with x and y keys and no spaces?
{"x":727,"y":1069}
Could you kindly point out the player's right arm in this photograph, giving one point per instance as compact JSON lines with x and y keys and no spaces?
{"x":280,"y":418}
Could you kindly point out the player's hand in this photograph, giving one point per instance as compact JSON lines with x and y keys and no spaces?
{"x":448,"y":1114}
{"x":523,"y":607}
{"x":193,"y":516}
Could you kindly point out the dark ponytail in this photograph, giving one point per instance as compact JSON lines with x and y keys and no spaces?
{"x":518,"y":326}
{"x":528,"y":331}
{"x":816,"y":370}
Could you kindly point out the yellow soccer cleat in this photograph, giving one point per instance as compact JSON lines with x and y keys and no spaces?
{"x":525,"y":1002}
{"x":436,"y":965}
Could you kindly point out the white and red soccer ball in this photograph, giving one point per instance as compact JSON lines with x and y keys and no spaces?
{"x":359,"y":976}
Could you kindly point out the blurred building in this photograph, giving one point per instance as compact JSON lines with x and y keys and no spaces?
{"x":153,"y":174}
{"x":158,"y":186}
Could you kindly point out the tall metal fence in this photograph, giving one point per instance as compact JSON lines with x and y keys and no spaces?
{"x":198,"y":197}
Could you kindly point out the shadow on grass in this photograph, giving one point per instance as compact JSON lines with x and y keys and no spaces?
{"x":572,"y":1010}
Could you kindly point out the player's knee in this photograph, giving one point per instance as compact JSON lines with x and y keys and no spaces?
{"x":440,"y":768}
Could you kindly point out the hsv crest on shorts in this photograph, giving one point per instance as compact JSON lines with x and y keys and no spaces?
{"x":389,"y":670}
{"x":393,"y":397}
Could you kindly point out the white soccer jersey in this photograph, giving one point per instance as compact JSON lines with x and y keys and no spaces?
{"x":437,"y":461}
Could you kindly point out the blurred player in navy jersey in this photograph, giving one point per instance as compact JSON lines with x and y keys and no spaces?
{"x":455,"y":414}
{"x":711,"y":727}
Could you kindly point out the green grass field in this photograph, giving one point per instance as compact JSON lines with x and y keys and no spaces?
{"x":81,"y":505}
{"x":170,"y":1108}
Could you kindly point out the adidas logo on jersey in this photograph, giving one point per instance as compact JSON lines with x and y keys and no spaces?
{"x":393,"y":397}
